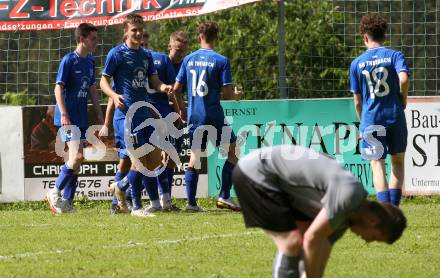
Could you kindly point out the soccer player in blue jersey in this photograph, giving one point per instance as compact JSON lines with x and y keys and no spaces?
{"x":208,"y":76}
{"x":132,"y":69}
{"x":124,"y":163}
{"x":75,"y":81}
{"x":178,"y":47}
{"x":379,"y":82}
{"x":166,"y":73}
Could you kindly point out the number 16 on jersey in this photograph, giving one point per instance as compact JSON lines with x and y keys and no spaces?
{"x":198,"y":87}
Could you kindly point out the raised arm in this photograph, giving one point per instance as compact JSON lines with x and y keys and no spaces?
{"x":158,"y":85}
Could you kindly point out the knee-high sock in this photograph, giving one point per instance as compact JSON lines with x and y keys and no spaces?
{"x":118,"y":176}
{"x":123,"y":184}
{"x":150,"y":184}
{"x":225,"y":191}
{"x":170,"y":174}
{"x":191,"y":179}
{"x":162,"y":182}
{"x":70,"y":188}
{"x":128,"y":193}
{"x":64,"y":177}
{"x":135,"y":180}
{"x":395,"y":195}
{"x":286,"y":266}
{"x":383,"y":196}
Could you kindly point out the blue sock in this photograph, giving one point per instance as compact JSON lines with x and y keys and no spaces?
{"x":70,"y":188}
{"x":225,"y":191}
{"x":395,"y":195}
{"x":170,"y":173}
{"x":150,"y":184}
{"x":123,"y":184}
{"x":64,"y":177}
{"x":128,"y":193}
{"x":191,"y":180}
{"x":383,"y":196}
{"x":118,"y":176}
{"x":135,"y":180}
{"x":162,"y":182}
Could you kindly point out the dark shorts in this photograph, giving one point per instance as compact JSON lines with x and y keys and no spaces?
{"x":264,"y":208}
{"x":200,"y":135}
{"x":394,"y":141}
{"x":165,"y":110}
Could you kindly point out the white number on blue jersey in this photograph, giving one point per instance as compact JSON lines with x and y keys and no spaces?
{"x":200,"y":88}
{"x":382,"y":82}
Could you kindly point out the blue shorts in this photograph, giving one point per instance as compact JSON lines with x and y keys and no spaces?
{"x":165,"y":110}
{"x":118,"y":126}
{"x":69,"y":135}
{"x":200,"y":135}
{"x":138,"y":138}
{"x":394,"y":141}
{"x":142,"y":136}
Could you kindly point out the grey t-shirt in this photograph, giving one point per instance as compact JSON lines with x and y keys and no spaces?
{"x":309,"y":179}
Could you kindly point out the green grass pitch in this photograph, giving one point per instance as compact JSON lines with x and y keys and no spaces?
{"x":91,"y":243}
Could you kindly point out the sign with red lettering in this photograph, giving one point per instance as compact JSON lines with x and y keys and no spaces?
{"x":60,"y":14}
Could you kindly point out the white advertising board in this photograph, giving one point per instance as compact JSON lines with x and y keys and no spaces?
{"x":11,"y":154}
{"x":422,"y":160}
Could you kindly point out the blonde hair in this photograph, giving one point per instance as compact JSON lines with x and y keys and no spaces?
{"x":179,"y":36}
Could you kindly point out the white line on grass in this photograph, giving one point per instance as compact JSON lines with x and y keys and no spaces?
{"x":130,"y":244}
{"x":173,"y":241}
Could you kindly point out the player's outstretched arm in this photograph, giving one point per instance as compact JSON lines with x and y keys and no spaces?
{"x":316,"y":245}
{"x":404,"y":87}
{"x":95,"y":101}
{"x":357,"y":98}
{"x":65,"y":119}
{"x":159,"y":85}
{"x":107,"y":89}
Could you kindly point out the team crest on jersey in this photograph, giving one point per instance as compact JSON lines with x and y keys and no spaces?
{"x":140,"y":79}
{"x":82,"y":93}
{"x":146,"y":64}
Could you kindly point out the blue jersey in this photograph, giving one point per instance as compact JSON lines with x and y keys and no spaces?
{"x":205,"y":72}
{"x":177,"y":67}
{"x":76,"y":74}
{"x":374,"y":75}
{"x":166,"y":74}
{"x":130,"y":69}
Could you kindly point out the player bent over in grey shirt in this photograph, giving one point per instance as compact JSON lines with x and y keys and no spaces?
{"x":306,"y":201}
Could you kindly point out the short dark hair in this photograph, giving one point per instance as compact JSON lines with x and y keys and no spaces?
{"x":84,"y":30}
{"x":392,"y":221}
{"x":374,"y":26}
{"x":209,"y":29}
